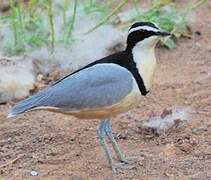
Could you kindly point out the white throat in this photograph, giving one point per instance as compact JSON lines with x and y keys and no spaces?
{"x":144,"y":57}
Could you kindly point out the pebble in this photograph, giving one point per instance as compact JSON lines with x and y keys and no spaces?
{"x":188,"y":164}
{"x":39,"y":77}
{"x":34,"y":173}
{"x":169,"y":150}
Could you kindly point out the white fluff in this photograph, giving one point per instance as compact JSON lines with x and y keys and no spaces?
{"x":85,"y":49}
{"x":16,"y":78}
{"x":161,"y":125}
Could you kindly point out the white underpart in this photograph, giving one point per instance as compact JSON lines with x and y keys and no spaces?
{"x":144,"y":57}
{"x":147,"y":28}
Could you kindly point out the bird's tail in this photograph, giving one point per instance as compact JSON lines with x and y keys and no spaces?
{"x":26,"y":105}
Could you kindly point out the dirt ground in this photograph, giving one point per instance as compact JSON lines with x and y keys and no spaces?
{"x":62,"y":147}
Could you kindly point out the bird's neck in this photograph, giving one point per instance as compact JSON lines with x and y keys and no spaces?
{"x":144,"y":57}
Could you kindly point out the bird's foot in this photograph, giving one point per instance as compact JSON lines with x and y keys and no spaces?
{"x":129,"y":160}
{"x":120,"y":166}
{"x":125,"y":164}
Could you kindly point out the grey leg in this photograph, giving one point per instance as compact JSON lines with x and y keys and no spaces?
{"x":102,"y":135}
{"x":125,"y":162}
{"x":103,"y":130}
{"x":109,"y":133}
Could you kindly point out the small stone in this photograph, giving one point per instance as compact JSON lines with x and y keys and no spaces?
{"x":198,"y":33}
{"x":165,"y":113}
{"x":34,"y":173}
{"x":123,"y":135}
{"x":198,"y":44}
{"x":186,"y":144}
{"x":188,"y":163}
{"x":151,"y":114}
{"x":168,"y":174}
{"x":169,"y":150}
{"x":1,"y":171}
{"x":39,"y":77}
{"x":200,"y":129}
{"x":209,"y":49}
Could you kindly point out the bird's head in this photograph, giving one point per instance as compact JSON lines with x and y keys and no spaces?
{"x":145,"y":34}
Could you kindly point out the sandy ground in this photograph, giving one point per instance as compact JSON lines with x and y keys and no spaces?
{"x":62,"y":147}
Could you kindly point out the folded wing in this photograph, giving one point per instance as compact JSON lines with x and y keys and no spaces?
{"x":97,"y":86}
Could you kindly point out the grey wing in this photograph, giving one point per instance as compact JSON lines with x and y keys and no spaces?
{"x":97,"y":86}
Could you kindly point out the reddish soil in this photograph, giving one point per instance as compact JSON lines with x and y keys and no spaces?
{"x":63,"y":147}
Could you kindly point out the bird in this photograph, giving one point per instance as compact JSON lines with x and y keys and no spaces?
{"x":104,"y":88}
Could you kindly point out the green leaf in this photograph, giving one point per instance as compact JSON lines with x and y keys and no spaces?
{"x":170,"y":43}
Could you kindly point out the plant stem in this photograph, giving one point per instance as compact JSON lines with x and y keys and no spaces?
{"x":189,"y":8}
{"x":113,"y":12}
{"x":136,"y":6}
{"x":51,"y":22}
{"x":72,"y":21}
{"x":64,"y":17}
{"x":64,"y":13}
{"x":14,"y":24}
{"x":31,"y":8}
{"x":198,"y":3}
{"x":21,"y":25}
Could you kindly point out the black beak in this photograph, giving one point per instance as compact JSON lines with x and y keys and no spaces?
{"x":163,"y":33}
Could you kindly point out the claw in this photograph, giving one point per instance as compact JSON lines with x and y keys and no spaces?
{"x":130,"y":160}
{"x":126,"y":164}
{"x":121,"y":166}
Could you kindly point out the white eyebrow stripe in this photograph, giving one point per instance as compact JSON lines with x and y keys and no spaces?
{"x":143,"y":28}
{"x":156,"y":25}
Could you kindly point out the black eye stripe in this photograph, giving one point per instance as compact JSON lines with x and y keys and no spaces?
{"x":145,"y":31}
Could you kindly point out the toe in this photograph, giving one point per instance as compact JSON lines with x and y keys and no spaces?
{"x":130,"y":160}
{"x":122,"y":166}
